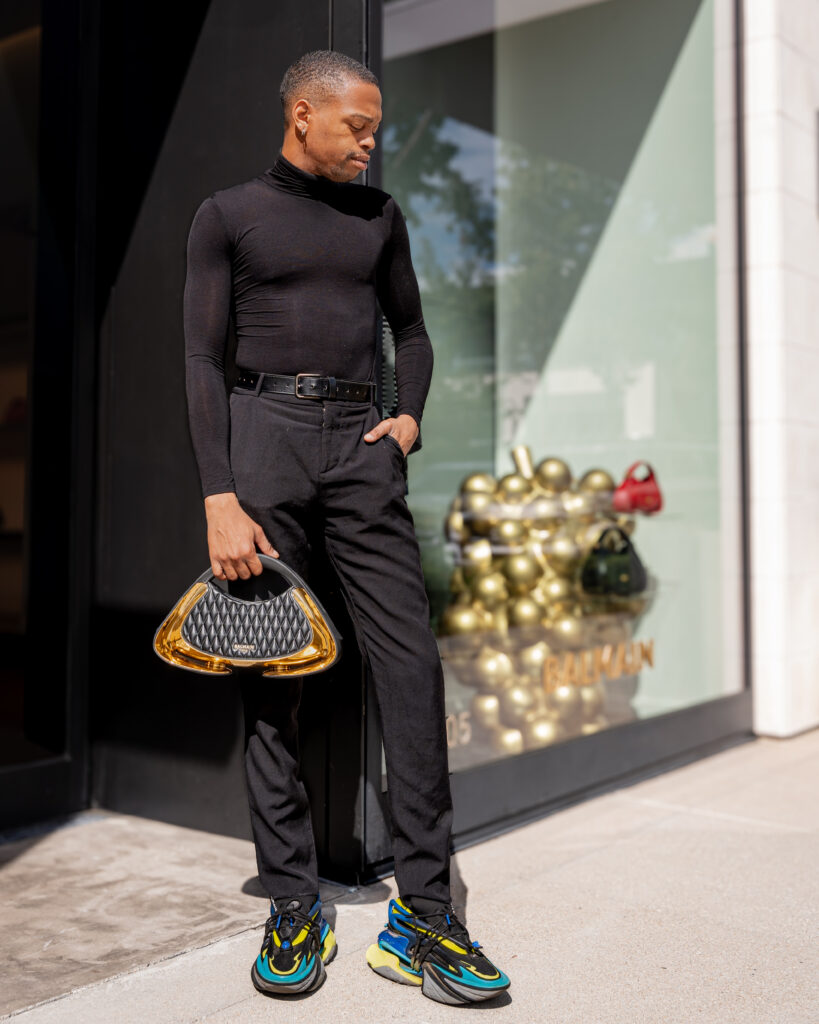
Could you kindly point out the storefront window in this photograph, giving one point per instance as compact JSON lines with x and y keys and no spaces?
{"x":567,"y":180}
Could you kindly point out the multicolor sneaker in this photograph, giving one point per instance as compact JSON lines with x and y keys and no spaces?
{"x":297,"y":944}
{"x":435,"y":952}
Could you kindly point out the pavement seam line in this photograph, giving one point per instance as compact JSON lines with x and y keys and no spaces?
{"x":719,"y":815}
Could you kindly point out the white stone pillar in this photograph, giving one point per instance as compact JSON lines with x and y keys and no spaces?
{"x":782,"y":211}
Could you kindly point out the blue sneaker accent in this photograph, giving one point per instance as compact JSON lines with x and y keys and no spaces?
{"x":436,"y":951}
{"x":296,"y":946}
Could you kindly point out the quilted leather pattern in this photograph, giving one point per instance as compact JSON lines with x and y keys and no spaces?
{"x":219,"y":624}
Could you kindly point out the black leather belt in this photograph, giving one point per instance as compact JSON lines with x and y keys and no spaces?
{"x":306,"y":385}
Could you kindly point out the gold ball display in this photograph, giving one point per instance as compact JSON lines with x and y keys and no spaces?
{"x":522,"y":571}
{"x":490,"y":589}
{"x":484,"y":614}
{"x":522,"y":458}
{"x":515,"y":702}
{"x":539,"y":595}
{"x":477,"y":559}
{"x":568,"y":630}
{"x":597,"y":481}
{"x":475,"y":503}
{"x":536,"y":548}
{"x":591,"y":700}
{"x":579,"y":505}
{"x":500,"y":621}
{"x":507,"y":741}
{"x":530,"y":659}
{"x":563,"y":553}
{"x":557,"y":591}
{"x":510,"y":510}
{"x":455,"y":529}
{"x":478,"y":483}
{"x":514,"y":488}
{"x":544,"y":513}
{"x":541,"y":731}
{"x":460,"y":619}
{"x":481,"y":513}
{"x":486,"y":710}
{"x":564,"y":700}
{"x":523,"y":612}
{"x":553,"y":475}
{"x":494,"y":669}
{"x":520,"y":541}
{"x":507,"y":533}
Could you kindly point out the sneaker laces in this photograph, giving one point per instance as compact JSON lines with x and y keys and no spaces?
{"x":444,"y":924}
{"x":290,"y":921}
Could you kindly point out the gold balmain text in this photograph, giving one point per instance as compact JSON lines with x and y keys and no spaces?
{"x":588,"y":666}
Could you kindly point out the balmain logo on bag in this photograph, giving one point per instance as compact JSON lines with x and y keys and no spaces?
{"x":244,"y":648}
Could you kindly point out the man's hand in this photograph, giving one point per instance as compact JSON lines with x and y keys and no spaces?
{"x":233,"y":538}
{"x":403,"y":428}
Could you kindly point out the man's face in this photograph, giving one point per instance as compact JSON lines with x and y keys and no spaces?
{"x":341,"y":131}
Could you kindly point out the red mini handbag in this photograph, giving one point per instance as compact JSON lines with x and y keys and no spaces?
{"x":638,"y":494}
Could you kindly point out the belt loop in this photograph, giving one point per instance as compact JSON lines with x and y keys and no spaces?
{"x":331,"y":390}
{"x":258,"y":389}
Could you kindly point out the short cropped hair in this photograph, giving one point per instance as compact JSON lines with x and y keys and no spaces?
{"x":318,"y":75}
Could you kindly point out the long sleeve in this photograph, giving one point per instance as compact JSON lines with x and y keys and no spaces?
{"x":400,"y":300}
{"x":206,"y":316}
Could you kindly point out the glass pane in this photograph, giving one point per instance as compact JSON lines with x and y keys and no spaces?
{"x":566,"y":171}
{"x":19,"y":99}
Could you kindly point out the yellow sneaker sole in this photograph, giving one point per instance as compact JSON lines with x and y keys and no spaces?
{"x":389,"y":966}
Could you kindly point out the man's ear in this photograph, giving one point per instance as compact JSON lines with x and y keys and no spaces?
{"x":300,"y":116}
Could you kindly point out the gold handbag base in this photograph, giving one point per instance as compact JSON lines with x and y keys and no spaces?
{"x":172,"y":647}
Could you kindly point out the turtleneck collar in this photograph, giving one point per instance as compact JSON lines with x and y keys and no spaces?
{"x":286,"y":176}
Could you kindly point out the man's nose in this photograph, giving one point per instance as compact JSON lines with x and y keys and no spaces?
{"x":368,"y":142}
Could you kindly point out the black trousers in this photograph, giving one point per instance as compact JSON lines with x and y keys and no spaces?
{"x":300,"y":466}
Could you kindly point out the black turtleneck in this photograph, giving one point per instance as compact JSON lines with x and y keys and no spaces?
{"x":301,"y":263}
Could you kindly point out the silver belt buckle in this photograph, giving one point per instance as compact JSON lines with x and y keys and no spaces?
{"x":298,"y":378}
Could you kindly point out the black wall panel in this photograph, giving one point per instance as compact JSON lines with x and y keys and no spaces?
{"x":184,"y":110}
{"x":182,"y":113}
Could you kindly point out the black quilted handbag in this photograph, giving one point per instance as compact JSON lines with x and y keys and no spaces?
{"x":613,"y":566}
{"x":271,"y":622}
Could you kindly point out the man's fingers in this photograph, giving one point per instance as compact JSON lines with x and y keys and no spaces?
{"x":235,"y":567}
{"x":254,"y":565}
{"x":263,"y":544}
{"x":379,"y":430}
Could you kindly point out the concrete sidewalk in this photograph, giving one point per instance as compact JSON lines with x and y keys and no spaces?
{"x":691,"y":896}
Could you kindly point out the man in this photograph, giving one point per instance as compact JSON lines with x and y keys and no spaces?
{"x":303,"y":258}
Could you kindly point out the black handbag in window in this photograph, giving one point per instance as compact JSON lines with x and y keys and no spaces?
{"x":271,"y":622}
{"x":613,"y":566}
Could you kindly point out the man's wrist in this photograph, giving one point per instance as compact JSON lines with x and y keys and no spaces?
{"x":415,"y":419}
{"x":223,"y":499}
